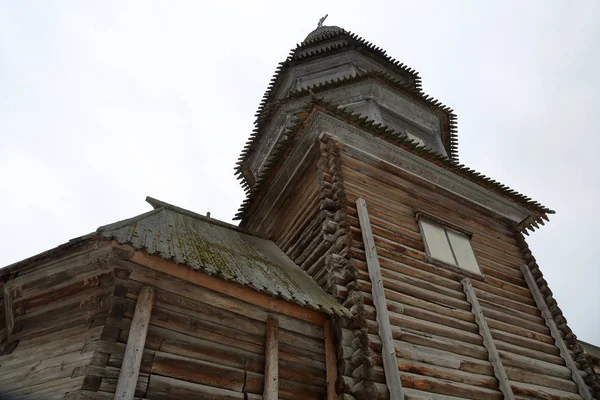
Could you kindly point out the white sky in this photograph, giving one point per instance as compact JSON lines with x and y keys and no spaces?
{"x":103,"y":103}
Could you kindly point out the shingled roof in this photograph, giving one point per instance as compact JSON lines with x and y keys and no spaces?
{"x":318,"y":105}
{"x":213,"y":247}
{"x":304,"y":51}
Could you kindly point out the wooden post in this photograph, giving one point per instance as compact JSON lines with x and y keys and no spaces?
{"x":388,"y":351}
{"x":271,"y":391}
{"x":488,"y":340}
{"x":558,"y":340}
{"x":130,"y":370}
{"x":330,"y":361}
{"x":8,"y":311}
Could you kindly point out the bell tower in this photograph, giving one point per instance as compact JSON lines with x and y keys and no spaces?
{"x":353,"y":172}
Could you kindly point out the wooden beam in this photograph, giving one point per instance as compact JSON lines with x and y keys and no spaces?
{"x":132,"y":359}
{"x":558,"y":340}
{"x":8,"y":311}
{"x":488,"y":340}
{"x":330,"y":361}
{"x":271,"y":387}
{"x":388,"y":352}
{"x":229,"y":288}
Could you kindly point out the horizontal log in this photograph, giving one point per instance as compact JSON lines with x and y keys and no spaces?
{"x":455,"y":389}
{"x":528,"y":352}
{"x":517,"y":340}
{"x":529,"y":364}
{"x":521,"y":375}
{"x":541,"y":392}
{"x":287,"y":389}
{"x":447,"y":374}
{"x":49,"y":346}
{"x":516,"y":321}
{"x":42,"y":372}
{"x":246,"y":294}
{"x":162,"y":387}
{"x":412,"y":394}
{"x":390,"y":188}
{"x":442,"y":358}
{"x":492,"y":298}
{"x":197,"y":371}
{"x":175,"y":285}
{"x":55,"y":388}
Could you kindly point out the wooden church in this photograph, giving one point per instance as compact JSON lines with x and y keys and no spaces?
{"x":368,"y":264}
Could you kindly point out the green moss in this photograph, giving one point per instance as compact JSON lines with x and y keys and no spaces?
{"x":193,"y":247}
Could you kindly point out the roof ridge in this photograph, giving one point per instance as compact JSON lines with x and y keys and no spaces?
{"x":161,"y":205}
{"x":128,"y":221}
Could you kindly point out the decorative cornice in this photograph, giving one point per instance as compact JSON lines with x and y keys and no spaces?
{"x":448,"y":117}
{"x":350,"y":41}
{"x":453,"y":170}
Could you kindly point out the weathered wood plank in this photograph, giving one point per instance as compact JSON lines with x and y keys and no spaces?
{"x":271,"y":390}
{"x":162,"y":387}
{"x":130,"y":369}
{"x":560,"y":343}
{"x":229,"y":288}
{"x":8,"y":311}
{"x":390,"y":363}
{"x":330,"y":361}
{"x":488,"y":341}
{"x":197,"y":371}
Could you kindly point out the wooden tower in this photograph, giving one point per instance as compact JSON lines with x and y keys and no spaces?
{"x":353,"y":172}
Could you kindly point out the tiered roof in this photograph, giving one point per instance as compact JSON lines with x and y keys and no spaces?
{"x":329,"y":40}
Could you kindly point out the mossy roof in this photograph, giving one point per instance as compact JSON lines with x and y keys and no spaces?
{"x":220,"y":249}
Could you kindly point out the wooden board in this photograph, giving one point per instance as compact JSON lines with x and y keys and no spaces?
{"x":388,"y":353}
{"x":271,"y":391}
{"x":132,"y":360}
{"x":488,"y":341}
{"x":560,"y":343}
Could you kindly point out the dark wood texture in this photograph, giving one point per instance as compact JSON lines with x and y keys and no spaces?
{"x":388,"y":354}
{"x":130,"y":368}
{"x":271,"y":390}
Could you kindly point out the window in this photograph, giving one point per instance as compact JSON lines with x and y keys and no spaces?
{"x":449,"y":246}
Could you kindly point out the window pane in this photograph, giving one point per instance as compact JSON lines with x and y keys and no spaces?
{"x":437,"y":243}
{"x":461,"y":245}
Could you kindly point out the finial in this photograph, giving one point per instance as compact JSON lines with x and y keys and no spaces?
{"x":320,"y":24}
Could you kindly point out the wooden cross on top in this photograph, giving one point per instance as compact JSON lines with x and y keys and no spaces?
{"x":320,"y":24}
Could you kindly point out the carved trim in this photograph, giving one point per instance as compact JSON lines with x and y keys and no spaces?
{"x":418,"y":166}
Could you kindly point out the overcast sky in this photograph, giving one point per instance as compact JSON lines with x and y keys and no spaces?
{"x":103,"y":103}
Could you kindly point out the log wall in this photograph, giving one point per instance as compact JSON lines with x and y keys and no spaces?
{"x":312,"y":227}
{"x":58,"y":310}
{"x":437,"y":341}
{"x":201,"y":343}
{"x":71,"y":326}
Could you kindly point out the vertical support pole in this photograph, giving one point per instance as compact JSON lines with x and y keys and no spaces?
{"x":130,"y":370}
{"x":488,"y":340}
{"x":330,"y":361}
{"x":271,"y":390}
{"x":8,"y":311}
{"x":558,"y":340}
{"x":388,"y":351}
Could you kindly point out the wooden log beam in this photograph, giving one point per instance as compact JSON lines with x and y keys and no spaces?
{"x":558,"y":339}
{"x":271,"y":387}
{"x":330,"y":361}
{"x":134,"y":350}
{"x":388,"y":353}
{"x":488,"y":340}
{"x":222,"y":286}
{"x":8,"y":312}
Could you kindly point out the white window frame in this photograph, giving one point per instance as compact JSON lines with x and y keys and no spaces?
{"x":450,"y":232}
